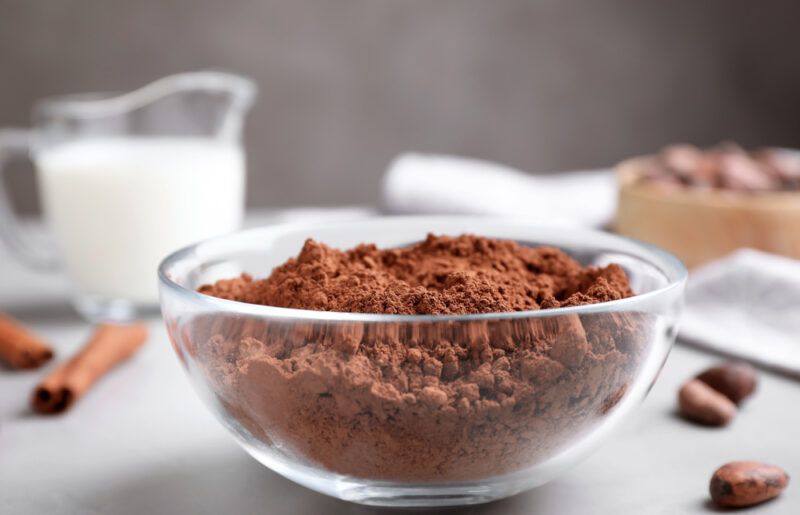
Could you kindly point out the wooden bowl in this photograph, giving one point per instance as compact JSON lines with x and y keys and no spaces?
{"x":702,"y":225}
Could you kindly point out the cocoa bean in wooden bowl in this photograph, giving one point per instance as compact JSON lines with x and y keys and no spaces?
{"x":704,"y":204}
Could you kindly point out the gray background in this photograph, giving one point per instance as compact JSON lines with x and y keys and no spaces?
{"x":347,"y":84}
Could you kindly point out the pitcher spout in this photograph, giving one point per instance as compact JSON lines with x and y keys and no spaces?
{"x":207,"y":103}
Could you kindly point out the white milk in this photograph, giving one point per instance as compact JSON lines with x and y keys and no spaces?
{"x":119,"y":206}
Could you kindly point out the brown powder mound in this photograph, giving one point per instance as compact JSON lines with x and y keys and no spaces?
{"x":421,"y":400}
{"x":441,"y":275}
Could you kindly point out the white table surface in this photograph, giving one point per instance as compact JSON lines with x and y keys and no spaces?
{"x":142,"y":443}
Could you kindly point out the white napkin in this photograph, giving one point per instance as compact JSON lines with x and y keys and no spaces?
{"x":747,"y":305}
{"x":440,"y":184}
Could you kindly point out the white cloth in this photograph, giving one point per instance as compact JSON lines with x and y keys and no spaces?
{"x":747,"y":305}
{"x":440,"y":184}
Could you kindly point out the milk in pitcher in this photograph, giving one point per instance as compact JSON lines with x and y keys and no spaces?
{"x":119,"y":205}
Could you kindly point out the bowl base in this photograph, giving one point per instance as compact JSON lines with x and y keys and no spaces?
{"x":392,"y":494}
{"x":421,"y":497}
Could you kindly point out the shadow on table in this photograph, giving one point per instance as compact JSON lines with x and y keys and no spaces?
{"x":50,"y":311}
{"x":236,"y":484}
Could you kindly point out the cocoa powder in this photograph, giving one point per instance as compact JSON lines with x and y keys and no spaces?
{"x":441,"y":275}
{"x":421,"y":400}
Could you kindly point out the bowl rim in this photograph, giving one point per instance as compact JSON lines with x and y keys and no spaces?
{"x":670,"y":266}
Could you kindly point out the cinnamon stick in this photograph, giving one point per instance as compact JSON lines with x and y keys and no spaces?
{"x":19,"y":347}
{"x":109,"y":345}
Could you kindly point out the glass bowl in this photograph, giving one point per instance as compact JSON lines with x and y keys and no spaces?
{"x":317,"y":397}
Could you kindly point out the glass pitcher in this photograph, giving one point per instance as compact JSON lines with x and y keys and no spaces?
{"x":126,"y":179}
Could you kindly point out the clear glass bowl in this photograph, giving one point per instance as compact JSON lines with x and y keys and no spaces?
{"x":315,"y":396}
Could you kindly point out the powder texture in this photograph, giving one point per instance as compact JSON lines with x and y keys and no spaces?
{"x":437,"y":400}
{"x":441,"y":275}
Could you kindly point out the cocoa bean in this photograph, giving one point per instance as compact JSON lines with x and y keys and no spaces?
{"x":700,"y":403}
{"x":736,"y":380}
{"x":745,"y":483}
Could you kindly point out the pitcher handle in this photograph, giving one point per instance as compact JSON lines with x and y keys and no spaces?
{"x":17,"y":142}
